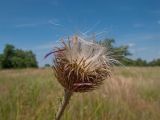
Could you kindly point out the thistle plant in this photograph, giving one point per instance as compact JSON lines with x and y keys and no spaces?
{"x":80,"y":66}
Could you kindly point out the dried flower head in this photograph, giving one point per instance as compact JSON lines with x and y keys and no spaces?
{"x":81,"y":65}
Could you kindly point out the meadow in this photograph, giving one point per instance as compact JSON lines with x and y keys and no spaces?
{"x":133,"y":93}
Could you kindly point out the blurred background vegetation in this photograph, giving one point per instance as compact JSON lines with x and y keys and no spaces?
{"x":122,"y":54}
{"x":18,"y":58}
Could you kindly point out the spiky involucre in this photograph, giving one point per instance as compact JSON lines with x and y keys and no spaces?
{"x":81,"y":65}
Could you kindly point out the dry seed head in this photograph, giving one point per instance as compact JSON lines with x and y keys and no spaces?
{"x":81,"y":65}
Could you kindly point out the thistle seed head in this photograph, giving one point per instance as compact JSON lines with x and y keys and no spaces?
{"x":81,"y":65}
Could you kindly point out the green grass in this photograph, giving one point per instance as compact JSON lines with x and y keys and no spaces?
{"x":34,"y":94}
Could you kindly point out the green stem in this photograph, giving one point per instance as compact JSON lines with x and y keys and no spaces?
{"x":67,"y":96}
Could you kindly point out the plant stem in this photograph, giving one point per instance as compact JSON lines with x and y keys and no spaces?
{"x":67,"y":96}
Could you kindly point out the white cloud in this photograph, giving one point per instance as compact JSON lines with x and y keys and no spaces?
{"x":26,"y":25}
{"x":141,"y":37}
{"x":136,"y":50}
{"x":146,"y":44}
{"x":42,"y":50}
{"x":93,"y":27}
{"x":54,"y":22}
{"x":138,"y":25}
{"x":157,"y":12}
{"x":47,"y":46}
{"x":55,"y":3}
{"x":131,"y":44}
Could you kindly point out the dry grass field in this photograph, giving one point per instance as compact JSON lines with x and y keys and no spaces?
{"x":133,"y":93}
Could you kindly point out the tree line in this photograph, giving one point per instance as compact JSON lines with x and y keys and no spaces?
{"x":141,"y":62}
{"x":121,"y":53}
{"x":17,"y":58}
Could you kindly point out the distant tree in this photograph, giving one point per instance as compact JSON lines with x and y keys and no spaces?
{"x":128,"y":62}
{"x":30,"y":59}
{"x":1,"y":59}
{"x":17,"y":58}
{"x":158,"y":62}
{"x":8,"y":53}
{"x":155,"y":62}
{"x":47,"y":65}
{"x":140,"y":62}
{"x":119,"y":53}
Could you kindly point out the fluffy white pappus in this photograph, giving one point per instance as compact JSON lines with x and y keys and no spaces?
{"x":87,"y":53}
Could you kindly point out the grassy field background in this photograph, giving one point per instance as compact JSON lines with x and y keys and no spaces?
{"x":34,"y":94}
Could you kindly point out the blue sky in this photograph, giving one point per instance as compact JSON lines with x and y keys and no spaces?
{"x":38,"y":24}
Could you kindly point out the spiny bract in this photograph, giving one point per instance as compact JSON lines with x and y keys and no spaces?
{"x":81,"y":65}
